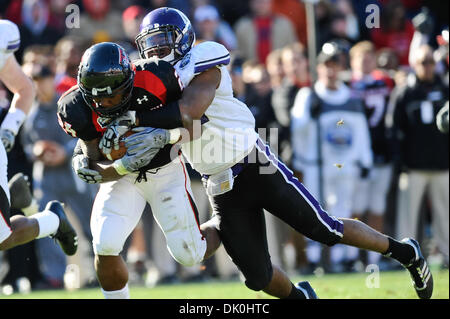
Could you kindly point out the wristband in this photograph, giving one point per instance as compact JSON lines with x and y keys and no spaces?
{"x":14,"y":120}
{"x":118,"y":166}
{"x":174,"y":135}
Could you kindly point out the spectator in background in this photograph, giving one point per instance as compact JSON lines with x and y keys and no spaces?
{"x":237,"y":81}
{"x":331,"y":146}
{"x":35,"y":28}
{"x":295,"y":11}
{"x":387,"y":60}
{"x":295,"y":67}
{"x":40,"y":54}
{"x":345,"y":7}
{"x":323,"y":11}
{"x":68,"y":52}
{"x":98,"y":23}
{"x":131,"y":21}
{"x":274,"y":65}
{"x":50,"y":149}
{"x":373,"y":87}
{"x":262,"y":31}
{"x":396,"y":31}
{"x":441,"y":55}
{"x":209,"y":27}
{"x":259,"y":96}
{"x":421,"y":150}
{"x":57,"y":17}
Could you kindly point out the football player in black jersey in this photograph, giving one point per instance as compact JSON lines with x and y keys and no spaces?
{"x":112,"y":91}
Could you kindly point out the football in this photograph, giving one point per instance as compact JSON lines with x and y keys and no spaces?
{"x":119,"y":153}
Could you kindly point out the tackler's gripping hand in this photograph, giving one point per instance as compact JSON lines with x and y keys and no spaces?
{"x":8,"y":138}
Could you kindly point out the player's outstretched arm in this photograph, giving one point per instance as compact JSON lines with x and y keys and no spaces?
{"x":18,"y":83}
{"x":196,"y":99}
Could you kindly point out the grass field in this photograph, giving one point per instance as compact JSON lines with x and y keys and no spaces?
{"x":392,"y":285}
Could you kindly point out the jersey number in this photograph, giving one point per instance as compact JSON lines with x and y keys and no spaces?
{"x":377,"y":104}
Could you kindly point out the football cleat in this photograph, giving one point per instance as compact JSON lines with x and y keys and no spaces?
{"x":19,"y":188}
{"x":307,"y":290}
{"x":419,"y":271}
{"x":66,"y":235}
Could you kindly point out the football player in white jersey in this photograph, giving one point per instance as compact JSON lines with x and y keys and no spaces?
{"x":241,"y":174}
{"x":52,"y":221}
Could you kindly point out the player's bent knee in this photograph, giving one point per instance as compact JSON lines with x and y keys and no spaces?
{"x":187,"y":253}
{"x":107,"y":248}
{"x":257,"y":283}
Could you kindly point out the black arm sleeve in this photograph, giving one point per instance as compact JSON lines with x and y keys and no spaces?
{"x":167,"y":117}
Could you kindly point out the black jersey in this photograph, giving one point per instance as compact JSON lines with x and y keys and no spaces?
{"x":155,"y":84}
{"x":375,"y":94}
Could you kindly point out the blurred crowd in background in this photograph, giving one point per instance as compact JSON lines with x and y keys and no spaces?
{"x":386,"y":164}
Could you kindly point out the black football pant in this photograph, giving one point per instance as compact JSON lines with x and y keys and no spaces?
{"x":266,"y":183}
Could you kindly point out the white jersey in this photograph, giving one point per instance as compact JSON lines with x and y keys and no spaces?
{"x":345,"y":134}
{"x":228,"y":126}
{"x":9,"y":40}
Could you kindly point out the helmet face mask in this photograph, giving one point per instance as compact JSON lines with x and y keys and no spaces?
{"x":105,"y":79}
{"x":166,"y":34}
{"x":160,"y":42}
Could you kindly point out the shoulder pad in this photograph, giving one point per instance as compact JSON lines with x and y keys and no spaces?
{"x":75,"y":116}
{"x":160,"y":80}
{"x":208,"y":54}
{"x":9,"y":40}
{"x":9,"y":36}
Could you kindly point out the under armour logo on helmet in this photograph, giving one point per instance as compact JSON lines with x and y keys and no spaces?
{"x":142,"y":100}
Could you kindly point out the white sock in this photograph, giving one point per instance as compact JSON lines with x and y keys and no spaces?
{"x":123,"y":293}
{"x":48,"y":223}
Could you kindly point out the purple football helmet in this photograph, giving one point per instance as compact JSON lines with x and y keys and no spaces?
{"x":165,"y":33}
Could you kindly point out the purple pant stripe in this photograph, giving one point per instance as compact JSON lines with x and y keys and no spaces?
{"x":336,"y":225}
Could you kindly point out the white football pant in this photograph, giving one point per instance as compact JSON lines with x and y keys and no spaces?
{"x":119,"y":205}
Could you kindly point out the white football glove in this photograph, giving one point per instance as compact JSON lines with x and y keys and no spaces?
{"x":147,"y":138}
{"x":116,"y":129}
{"x":80,"y":165}
{"x":8,"y":138}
